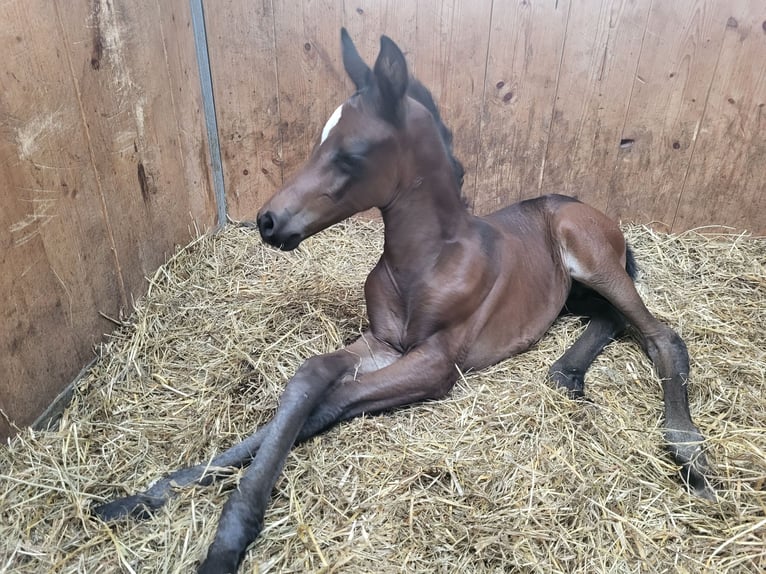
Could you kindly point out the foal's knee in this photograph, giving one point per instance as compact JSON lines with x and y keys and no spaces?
{"x":323,"y":367}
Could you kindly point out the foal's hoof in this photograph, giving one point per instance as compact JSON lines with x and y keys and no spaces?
{"x":569,"y":379}
{"x":139,"y":506}
{"x":686,"y":447}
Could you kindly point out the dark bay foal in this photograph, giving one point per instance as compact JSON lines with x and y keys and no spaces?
{"x":450,"y":289}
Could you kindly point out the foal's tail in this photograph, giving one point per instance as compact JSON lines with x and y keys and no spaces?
{"x":630,"y":262}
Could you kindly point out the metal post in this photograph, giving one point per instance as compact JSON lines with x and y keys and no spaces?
{"x":206,"y":83}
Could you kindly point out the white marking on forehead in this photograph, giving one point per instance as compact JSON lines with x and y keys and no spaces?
{"x":331,"y":123}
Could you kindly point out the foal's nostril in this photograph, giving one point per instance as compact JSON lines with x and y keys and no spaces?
{"x":266,"y":224}
{"x":275,"y":230}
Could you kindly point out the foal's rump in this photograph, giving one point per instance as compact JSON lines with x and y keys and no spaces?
{"x":577,"y":240}
{"x":563,"y":217}
{"x":588,"y":241}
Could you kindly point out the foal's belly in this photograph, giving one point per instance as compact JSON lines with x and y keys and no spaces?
{"x":528,"y":297}
{"x":506,"y":337}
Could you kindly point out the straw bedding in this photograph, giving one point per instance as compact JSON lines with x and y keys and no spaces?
{"x":503,"y":475}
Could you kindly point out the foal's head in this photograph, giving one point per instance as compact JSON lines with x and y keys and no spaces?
{"x":365,"y":152}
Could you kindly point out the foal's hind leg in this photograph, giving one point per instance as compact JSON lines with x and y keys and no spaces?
{"x":594,"y":254}
{"x":605,"y":324}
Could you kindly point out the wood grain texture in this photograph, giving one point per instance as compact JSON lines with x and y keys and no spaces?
{"x":726,"y":181}
{"x":51,"y":228}
{"x":450,"y":53}
{"x":102,"y":175}
{"x":669,"y":92}
{"x":312,"y":82}
{"x":122,"y":74}
{"x":367,"y":20}
{"x":603,"y":44}
{"x":602,"y":99}
{"x":525,"y":54}
{"x":244,"y":65}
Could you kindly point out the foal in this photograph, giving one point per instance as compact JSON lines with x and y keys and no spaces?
{"x":450,"y":289}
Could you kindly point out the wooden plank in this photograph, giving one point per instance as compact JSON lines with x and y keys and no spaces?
{"x":51,"y":227}
{"x":450,"y":52}
{"x":726,"y":181}
{"x":244,"y":64}
{"x":525,"y":46}
{"x":312,"y":82}
{"x":101,"y":147}
{"x":601,"y":50}
{"x":277,"y":78}
{"x":669,"y":93}
{"x":181,"y":94}
{"x":367,"y":20}
{"x":128,"y":90}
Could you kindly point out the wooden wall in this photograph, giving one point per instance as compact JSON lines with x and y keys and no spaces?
{"x":650,"y":110}
{"x":103,"y":170}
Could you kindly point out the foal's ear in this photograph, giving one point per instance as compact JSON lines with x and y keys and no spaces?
{"x":391,"y":77}
{"x":357,"y":70}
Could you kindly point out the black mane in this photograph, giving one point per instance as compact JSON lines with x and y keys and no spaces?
{"x":417,"y":91}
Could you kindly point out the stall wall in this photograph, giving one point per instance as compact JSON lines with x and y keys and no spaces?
{"x":649,"y":110}
{"x":103,"y":171}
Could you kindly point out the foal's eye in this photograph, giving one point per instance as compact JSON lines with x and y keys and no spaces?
{"x":349,"y":163}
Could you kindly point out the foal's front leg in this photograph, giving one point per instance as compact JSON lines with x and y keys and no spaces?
{"x":141,"y":504}
{"x":368,"y":355}
{"x":305,"y":408}
{"x":242,"y":517}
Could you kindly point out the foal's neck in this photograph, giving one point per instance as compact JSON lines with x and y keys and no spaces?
{"x":427,"y":213}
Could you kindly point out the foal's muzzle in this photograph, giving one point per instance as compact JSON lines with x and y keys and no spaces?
{"x":274,"y":231}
